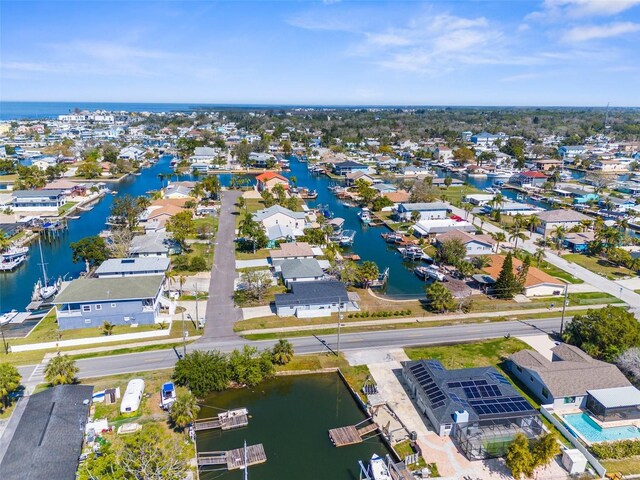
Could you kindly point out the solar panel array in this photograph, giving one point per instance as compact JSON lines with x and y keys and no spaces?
{"x":461,"y":401}
{"x":431,"y":389}
{"x":466,"y":383}
{"x":499,"y":378}
{"x":495,"y":406}
{"x":435,"y":365}
{"x":482,"y":391}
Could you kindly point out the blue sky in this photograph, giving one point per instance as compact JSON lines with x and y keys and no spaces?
{"x":475,"y":52}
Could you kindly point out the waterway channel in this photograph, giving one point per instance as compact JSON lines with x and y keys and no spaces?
{"x":291,"y":417}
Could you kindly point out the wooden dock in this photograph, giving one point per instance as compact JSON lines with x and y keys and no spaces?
{"x":233,"y":459}
{"x":224,"y":421}
{"x":351,"y":434}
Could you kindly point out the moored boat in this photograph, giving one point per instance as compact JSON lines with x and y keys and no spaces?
{"x":379,"y":470}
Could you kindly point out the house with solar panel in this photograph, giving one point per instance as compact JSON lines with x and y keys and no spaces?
{"x":477,"y":407}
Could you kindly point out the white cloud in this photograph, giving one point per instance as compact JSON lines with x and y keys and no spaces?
{"x":560,"y":9}
{"x":586,"y":33}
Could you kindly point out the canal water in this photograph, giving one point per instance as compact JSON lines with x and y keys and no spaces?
{"x":16,"y":287}
{"x":291,"y":417}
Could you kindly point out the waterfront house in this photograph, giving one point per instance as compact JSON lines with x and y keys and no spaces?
{"x":477,"y":407}
{"x":292,"y":251}
{"x":48,"y":433}
{"x":383,"y":188}
{"x":609,"y":166}
{"x":475,"y":244}
{"x":176,"y":190}
{"x":352,"y":177}
{"x":547,"y":164}
{"x":7,"y":182}
{"x":280,"y":216}
{"x":529,"y":178}
{"x":479,"y":199}
{"x":442,"y":182}
{"x":568,"y":219}
{"x":152,"y":244}
{"x":89,"y":302}
{"x":38,"y":200}
{"x":619,"y":204}
{"x":44,"y":162}
{"x":512,"y":208}
{"x":564,"y":379}
{"x":300,"y":270}
{"x":428,"y":211}
{"x":349,"y":166}
{"x":578,"y":242}
{"x":268,"y":180}
{"x":203,"y":155}
{"x":156,"y":216}
{"x":571,"y":151}
{"x":131,"y":153}
{"x":261,"y":159}
{"x":316,"y":299}
{"x":537,"y":283}
{"x":137,"y":266}
{"x":430,"y":228}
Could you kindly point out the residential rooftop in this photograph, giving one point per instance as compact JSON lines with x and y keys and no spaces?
{"x":109,"y":289}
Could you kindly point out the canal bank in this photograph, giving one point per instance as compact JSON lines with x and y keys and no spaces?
{"x":291,"y":415}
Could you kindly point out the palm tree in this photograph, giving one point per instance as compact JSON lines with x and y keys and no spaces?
{"x":585,"y":224}
{"x":282,"y":352}
{"x":499,"y":237}
{"x":184,"y":410}
{"x":467,"y":207}
{"x":61,"y":370}
{"x":517,"y":235}
{"x":533,"y":222}
{"x":181,"y":280}
{"x":4,"y":242}
{"x":415,"y":216}
{"x":622,"y":224}
{"x":9,"y":381}
{"x":539,"y":255}
{"x":558,"y":234}
{"x":107,"y":328}
{"x":481,"y":262}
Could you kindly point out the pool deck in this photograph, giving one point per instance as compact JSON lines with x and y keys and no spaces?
{"x":602,"y":425}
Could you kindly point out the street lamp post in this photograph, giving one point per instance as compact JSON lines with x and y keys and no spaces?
{"x":339,"y":322}
{"x":197,"y":316}
{"x":564,"y":308}
{"x":184,"y":338}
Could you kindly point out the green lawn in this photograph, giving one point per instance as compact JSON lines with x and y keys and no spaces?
{"x":204,"y":224}
{"x":260,"y":254}
{"x":196,"y":249}
{"x":600,"y":266}
{"x":626,"y":466}
{"x":559,"y":273}
{"x":469,"y":355}
{"x":66,"y":207}
{"x":454,"y":195}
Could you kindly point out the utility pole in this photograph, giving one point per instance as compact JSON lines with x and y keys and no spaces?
{"x":197,"y":316}
{"x":339,"y":322}
{"x":564,"y":307}
{"x":184,"y":338}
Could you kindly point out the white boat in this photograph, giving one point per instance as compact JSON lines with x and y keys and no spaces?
{"x":379,"y":470}
{"x":167,"y":395}
{"x":365,"y":215}
{"x":7,"y":317}
{"x":501,"y":174}
{"x":43,"y":290}
{"x":14,"y":252}
{"x":9,"y":265}
{"x":434,"y":272}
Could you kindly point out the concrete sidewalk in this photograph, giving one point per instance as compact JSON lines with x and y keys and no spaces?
{"x":430,"y":318}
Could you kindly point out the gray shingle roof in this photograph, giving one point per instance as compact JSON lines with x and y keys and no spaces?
{"x":152,"y":242}
{"x":133,"y":265}
{"x":572,"y":372}
{"x":424,"y":207}
{"x":260,"y":215}
{"x":105,"y":289}
{"x":562,"y":215}
{"x":48,"y":439}
{"x":301,"y":268}
{"x":313,"y":293}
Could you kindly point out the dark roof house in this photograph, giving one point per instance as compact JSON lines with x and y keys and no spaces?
{"x":47,"y":441}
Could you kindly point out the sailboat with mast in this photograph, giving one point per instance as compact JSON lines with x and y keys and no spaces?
{"x":43,"y":290}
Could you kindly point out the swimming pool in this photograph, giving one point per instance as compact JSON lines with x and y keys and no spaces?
{"x":592,"y":433}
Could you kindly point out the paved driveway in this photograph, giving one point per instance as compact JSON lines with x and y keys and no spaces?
{"x":221,"y":311}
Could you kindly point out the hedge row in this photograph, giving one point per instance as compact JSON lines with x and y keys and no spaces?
{"x":616,"y":450}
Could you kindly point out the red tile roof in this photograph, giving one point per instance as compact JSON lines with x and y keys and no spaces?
{"x":533,"y":174}
{"x":266,"y":176}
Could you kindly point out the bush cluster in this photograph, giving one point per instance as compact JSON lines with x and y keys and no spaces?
{"x":616,"y":450}
{"x":196,"y":263}
{"x":381,"y":314}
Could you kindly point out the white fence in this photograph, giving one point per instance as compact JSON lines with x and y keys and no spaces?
{"x":574,"y":441}
{"x":93,"y":340}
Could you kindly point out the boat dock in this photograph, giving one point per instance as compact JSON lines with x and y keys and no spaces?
{"x":230,"y":420}
{"x":351,"y":434}
{"x":397,"y":471}
{"x":233,"y":459}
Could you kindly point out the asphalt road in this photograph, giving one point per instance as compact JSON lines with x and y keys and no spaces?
{"x":221,"y":311}
{"x":162,"y":359}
